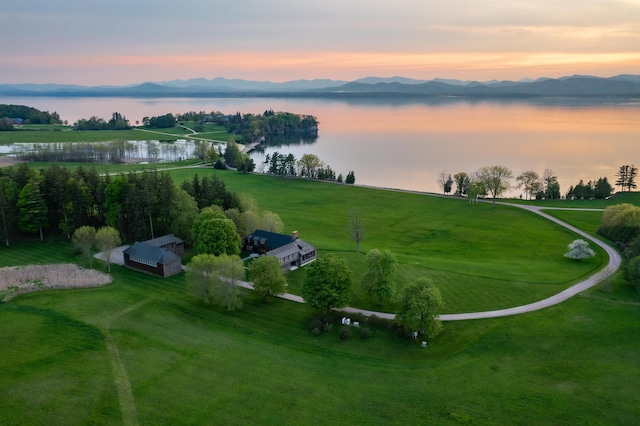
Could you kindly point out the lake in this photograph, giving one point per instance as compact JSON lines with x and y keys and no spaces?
{"x":407,"y":144}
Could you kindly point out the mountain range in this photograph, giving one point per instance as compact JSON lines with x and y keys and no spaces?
{"x":576,"y":86}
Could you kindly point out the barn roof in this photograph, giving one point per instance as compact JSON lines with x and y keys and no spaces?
{"x":151,"y":252}
{"x":164,"y":240}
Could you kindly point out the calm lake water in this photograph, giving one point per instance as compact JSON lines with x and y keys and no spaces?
{"x":407,"y":144}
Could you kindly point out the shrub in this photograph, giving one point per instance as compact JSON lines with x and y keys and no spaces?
{"x":345,"y":332}
{"x":365,"y":332}
{"x":315,"y":323}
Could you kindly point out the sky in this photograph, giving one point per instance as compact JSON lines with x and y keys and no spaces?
{"x":117,"y":42}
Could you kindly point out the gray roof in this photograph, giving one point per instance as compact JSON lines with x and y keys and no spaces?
{"x":164,"y":240}
{"x":297,"y":246}
{"x":150,"y":252}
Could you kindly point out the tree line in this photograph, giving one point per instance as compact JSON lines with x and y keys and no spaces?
{"x":621,"y":224}
{"x":494,"y":181}
{"x":139,"y":206}
{"x":29,"y":115}
{"x":309,"y":166}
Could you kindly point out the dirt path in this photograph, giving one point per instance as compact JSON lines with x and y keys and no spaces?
{"x":120,"y":376}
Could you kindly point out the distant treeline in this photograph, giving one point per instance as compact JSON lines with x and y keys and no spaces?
{"x":117,"y":122}
{"x":253,"y":126}
{"x":28,"y":115}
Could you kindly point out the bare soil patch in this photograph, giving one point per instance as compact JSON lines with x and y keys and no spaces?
{"x":6,"y":161}
{"x":16,"y":280}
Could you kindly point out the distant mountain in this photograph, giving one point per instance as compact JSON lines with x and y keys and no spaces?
{"x":572,"y":86}
{"x":220,"y":83}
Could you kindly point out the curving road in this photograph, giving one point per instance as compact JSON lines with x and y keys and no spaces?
{"x":613,"y":265}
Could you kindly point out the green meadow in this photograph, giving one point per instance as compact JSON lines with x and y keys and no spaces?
{"x":61,"y":134}
{"x":141,"y":351}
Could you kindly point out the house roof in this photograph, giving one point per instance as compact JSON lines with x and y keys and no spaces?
{"x":164,"y":240}
{"x":272,"y":239}
{"x":297,"y":246}
{"x":150,"y":252}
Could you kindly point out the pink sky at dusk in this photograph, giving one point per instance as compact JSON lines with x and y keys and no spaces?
{"x":127,"y":42}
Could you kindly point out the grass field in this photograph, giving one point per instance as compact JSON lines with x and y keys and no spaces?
{"x":59,"y":134}
{"x":192,"y":364}
{"x":470,"y":251}
{"x":141,"y":351}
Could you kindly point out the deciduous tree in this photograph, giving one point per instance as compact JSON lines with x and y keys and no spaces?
{"x":84,"y":238}
{"x":496,"y":180}
{"x":528,"y":181}
{"x":379,"y":280}
{"x":229,"y":270}
{"x":267,"y":277}
{"x":327,"y":284}
{"x":107,"y":238}
{"x":356,"y":228}
{"x":579,"y":250}
{"x":213,"y":233}
{"x":462,"y":183}
{"x":420,"y":307}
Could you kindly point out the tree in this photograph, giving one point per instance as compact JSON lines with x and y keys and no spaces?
{"x":308,"y":165}
{"x":551,"y":187}
{"x":33,"y":209}
{"x":356,"y":228}
{"x":528,"y":181}
{"x":462,"y":183}
{"x":626,"y":177}
{"x":245,"y":164}
{"x":448,"y":185}
{"x":351,"y":178}
{"x":184,"y":210}
{"x":229,"y":270}
{"x":603,"y":188}
{"x":420,"y":307}
{"x":200,"y":150}
{"x":107,"y":238}
{"x":267,"y":277}
{"x":213,"y":233}
{"x":8,"y":207}
{"x":327,"y":284}
{"x":442,"y":181}
{"x":495,"y":179}
{"x":84,"y":238}
{"x":579,"y":249}
{"x":201,"y":274}
{"x":271,"y":222}
{"x":232,"y":154}
{"x":475,"y":188}
{"x":631,"y":272}
{"x":379,"y":279}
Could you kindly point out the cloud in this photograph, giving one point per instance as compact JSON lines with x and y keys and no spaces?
{"x":285,"y":38}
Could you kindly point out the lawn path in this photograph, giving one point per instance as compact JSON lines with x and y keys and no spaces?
{"x":120,"y":376}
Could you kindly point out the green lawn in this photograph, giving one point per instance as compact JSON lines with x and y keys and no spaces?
{"x":188,"y":363}
{"x":470,"y":251}
{"x":60,"y":134}
{"x":192,"y":364}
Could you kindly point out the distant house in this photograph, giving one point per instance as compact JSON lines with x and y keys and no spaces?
{"x":17,"y":121}
{"x":291,"y":251}
{"x":159,"y":256}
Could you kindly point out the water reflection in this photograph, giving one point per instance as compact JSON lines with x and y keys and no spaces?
{"x":404,"y":143}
